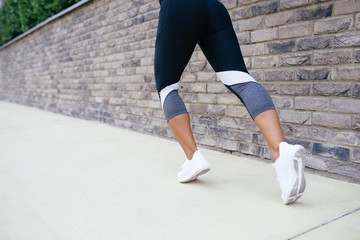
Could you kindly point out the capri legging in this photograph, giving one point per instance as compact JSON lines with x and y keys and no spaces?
{"x":182,"y":25}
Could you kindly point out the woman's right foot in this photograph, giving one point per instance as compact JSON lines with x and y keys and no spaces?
{"x":289,"y":168}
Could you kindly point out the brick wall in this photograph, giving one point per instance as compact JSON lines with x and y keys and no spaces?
{"x":96,"y":63}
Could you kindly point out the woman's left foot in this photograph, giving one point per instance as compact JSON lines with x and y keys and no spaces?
{"x":192,"y":169}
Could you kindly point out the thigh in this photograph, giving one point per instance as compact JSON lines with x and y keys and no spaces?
{"x":220,"y":45}
{"x":179,"y":29}
{"x":171,"y":57}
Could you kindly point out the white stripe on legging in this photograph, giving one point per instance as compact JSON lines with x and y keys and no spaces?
{"x":165,"y":91}
{"x":234,"y":77}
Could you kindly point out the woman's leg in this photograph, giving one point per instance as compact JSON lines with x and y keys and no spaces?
{"x":180,"y":127}
{"x":269,"y":124}
{"x":181,"y":25}
{"x":222,"y":49}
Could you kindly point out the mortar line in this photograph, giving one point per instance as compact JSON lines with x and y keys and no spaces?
{"x":325,"y":223}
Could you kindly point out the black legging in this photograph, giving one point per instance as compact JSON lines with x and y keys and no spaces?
{"x":182,"y":25}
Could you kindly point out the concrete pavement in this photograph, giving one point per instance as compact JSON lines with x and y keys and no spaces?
{"x":66,"y":178}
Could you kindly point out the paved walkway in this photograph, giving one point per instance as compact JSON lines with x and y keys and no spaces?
{"x":65,"y":178}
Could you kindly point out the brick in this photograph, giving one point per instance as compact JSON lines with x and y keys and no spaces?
{"x":280,"y":18}
{"x":314,"y":12}
{"x":264,"y":62}
{"x":312,"y":103}
{"x":219,"y":132}
{"x":264,"y":8}
{"x":295,"y":89}
{"x":356,"y":155}
{"x":331,"y":120}
{"x":242,"y":136}
{"x":313,"y":74}
{"x":246,"y":2}
{"x":356,"y":123}
{"x":348,"y":6}
{"x":264,"y":35}
{"x":253,"y":49}
{"x":279,"y":75}
{"x":240,"y":13}
{"x":256,"y":74}
{"x":331,"y":151}
{"x":197,"y":108}
{"x":206,"y":76}
{"x":356,"y":91}
{"x":216,"y":87}
{"x":283,"y":102}
{"x":271,"y":88}
{"x":200,"y":129}
{"x":189,"y":77}
{"x":305,"y":144}
{"x":345,"y":105}
{"x":295,"y":60}
{"x":357,"y":56}
{"x":98,"y":99}
{"x":238,"y":111}
{"x":227,"y":122}
{"x":206,"y":98}
{"x":332,"y":57}
{"x":247,"y":61}
{"x":344,"y":168}
{"x":197,"y":66}
{"x":294,"y":30}
{"x":345,"y":138}
{"x":137,"y":3}
{"x":280,"y":47}
{"x":291,"y":116}
{"x":189,"y":98}
{"x":205,"y":140}
{"x":314,"y":43}
{"x":332,"y":89}
{"x":284,"y":4}
{"x":249,"y":24}
{"x":227,"y":99}
{"x":347,"y":40}
{"x":243,"y":37}
{"x":247,"y":125}
{"x":346,"y":73}
{"x":308,"y":132}
{"x":333,"y":25}
{"x":218,"y":110}
{"x":315,"y":163}
{"x":193,"y":87}
{"x":208,"y":120}
{"x":250,"y":149}
{"x":229,"y":3}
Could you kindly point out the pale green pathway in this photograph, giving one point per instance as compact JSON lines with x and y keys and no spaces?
{"x":65,"y":178}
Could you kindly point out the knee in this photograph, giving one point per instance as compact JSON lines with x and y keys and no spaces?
{"x":254,"y":96}
{"x":171,"y":102}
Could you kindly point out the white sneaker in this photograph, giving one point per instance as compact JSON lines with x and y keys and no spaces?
{"x":192,"y":169}
{"x":289,"y":168}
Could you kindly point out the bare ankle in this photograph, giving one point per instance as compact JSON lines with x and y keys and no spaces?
{"x":275,"y":155}
{"x":190,"y":154}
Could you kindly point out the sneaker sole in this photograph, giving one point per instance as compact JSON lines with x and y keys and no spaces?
{"x":195,"y":175}
{"x":300,"y":183}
